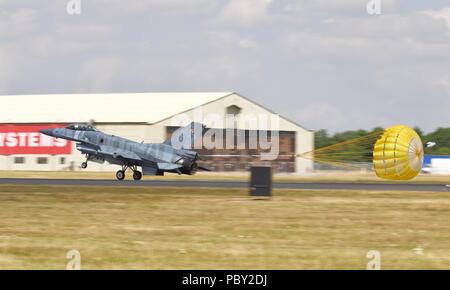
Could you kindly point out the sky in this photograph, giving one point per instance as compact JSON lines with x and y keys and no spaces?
{"x":323,"y":64}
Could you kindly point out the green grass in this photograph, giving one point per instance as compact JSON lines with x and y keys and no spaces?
{"x":175,"y":228}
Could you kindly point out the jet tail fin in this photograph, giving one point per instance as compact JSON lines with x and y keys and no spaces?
{"x":186,"y":137}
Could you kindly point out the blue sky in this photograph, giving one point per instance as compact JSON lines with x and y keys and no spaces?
{"x":324,"y":64}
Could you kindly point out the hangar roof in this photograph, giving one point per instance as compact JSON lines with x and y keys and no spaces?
{"x":143,"y":108}
{"x":103,"y":108}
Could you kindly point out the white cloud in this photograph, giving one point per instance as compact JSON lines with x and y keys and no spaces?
{"x":342,"y":7}
{"x":337,"y":117}
{"x":443,"y":82}
{"x":245,"y":12}
{"x":323,"y":115}
{"x":442,"y":14}
{"x":154,"y":6}
{"x":248,"y":43}
{"x":97,"y":74}
{"x":17,"y":22}
{"x":341,"y":61}
{"x":5,"y":72}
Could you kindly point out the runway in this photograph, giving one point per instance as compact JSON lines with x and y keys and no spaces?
{"x":230,"y":184}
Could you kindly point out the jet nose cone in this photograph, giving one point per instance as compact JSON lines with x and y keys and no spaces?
{"x":48,"y":132}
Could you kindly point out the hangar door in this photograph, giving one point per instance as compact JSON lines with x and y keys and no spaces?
{"x":240,"y":157}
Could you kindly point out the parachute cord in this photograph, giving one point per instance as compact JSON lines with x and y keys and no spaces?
{"x":349,"y":142}
{"x":333,"y":154}
{"x":343,"y":155}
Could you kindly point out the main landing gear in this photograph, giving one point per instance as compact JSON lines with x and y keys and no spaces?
{"x":137,"y":175}
{"x":120,"y":175}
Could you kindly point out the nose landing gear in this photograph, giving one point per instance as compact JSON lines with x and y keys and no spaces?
{"x":84,"y":165}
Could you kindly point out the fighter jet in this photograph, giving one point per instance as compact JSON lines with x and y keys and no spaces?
{"x":174,"y":155}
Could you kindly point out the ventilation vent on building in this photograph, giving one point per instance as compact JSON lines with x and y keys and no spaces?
{"x":233,"y":110}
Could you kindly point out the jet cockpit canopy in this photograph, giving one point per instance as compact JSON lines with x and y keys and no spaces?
{"x":81,"y":127}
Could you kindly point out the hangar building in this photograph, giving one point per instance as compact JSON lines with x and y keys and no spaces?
{"x":142,"y":117}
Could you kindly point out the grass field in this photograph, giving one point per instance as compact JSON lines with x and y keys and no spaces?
{"x":173,"y":228}
{"x":350,"y":176}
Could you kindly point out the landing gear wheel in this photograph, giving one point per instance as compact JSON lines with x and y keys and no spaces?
{"x":137,"y":175}
{"x":84,"y":165}
{"x":120,"y":175}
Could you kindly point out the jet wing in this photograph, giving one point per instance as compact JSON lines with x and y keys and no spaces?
{"x":107,"y":151}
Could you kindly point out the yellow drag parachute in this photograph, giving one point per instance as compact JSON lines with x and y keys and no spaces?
{"x":398,"y":154}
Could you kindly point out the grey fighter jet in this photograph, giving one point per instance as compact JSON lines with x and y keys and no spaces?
{"x":174,"y":155}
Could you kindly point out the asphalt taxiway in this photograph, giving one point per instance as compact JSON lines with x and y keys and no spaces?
{"x":231,"y":184}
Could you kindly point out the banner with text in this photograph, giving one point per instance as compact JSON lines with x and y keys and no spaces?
{"x":26,"y":139}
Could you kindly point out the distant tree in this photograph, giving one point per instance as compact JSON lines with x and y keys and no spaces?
{"x":442,"y":139}
{"x":321,"y":138}
{"x":377,"y":129}
{"x":419,"y":132}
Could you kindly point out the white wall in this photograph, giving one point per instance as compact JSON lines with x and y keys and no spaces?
{"x":53,"y":164}
{"x":440,"y":166}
